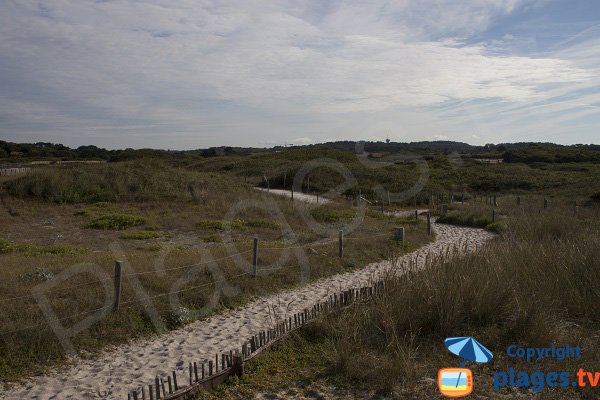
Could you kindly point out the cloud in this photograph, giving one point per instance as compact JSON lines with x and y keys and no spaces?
{"x":188,"y":68}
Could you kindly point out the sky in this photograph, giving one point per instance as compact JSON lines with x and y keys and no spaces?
{"x":188,"y":74}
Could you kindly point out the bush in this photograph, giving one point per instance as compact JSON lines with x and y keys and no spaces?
{"x":261,"y":223}
{"x":329,"y":215}
{"x":475,"y":220}
{"x":26,"y":248}
{"x":221,"y":225}
{"x":140,"y":235}
{"x":116,"y":222}
{"x":214,"y":238}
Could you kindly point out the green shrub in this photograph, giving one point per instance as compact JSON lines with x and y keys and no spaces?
{"x":474,"y":220}
{"x":213,"y":238}
{"x":33,"y":249}
{"x":496,"y":227}
{"x":221,"y":225}
{"x":329,"y":215}
{"x":261,"y":223}
{"x":116,"y":222}
{"x":141,"y":235}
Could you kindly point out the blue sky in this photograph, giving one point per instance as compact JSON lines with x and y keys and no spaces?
{"x":184,"y":74}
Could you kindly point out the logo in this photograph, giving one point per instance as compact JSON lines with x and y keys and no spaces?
{"x":458,"y":382}
{"x":455,"y":382}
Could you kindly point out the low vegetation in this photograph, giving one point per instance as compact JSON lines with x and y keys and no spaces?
{"x":141,"y":235}
{"x":536,"y":285}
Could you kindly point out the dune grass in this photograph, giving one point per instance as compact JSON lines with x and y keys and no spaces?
{"x":28,"y":346}
{"x":537,"y":285}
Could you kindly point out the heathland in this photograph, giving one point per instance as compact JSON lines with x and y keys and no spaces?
{"x":166,"y":213}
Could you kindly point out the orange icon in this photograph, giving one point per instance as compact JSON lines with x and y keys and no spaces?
{"x":455,"y":382}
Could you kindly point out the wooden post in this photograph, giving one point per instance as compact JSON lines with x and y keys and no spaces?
{"x":151,"y":391}
{"x":196,"y":371}
{"x":117,"y":295}
{"x":191,"y":371}
{"x":292,"y":193}
{"x":175,"y":381}
{"x":382,"y":207}
{"x":317,"y":197}
{"x":399,"y":233}
{"x":495,"y":201}
{"x":135,"y":395}
{"x":284,"y":178}
{"x":162,"y":385}
{"x":429,"y":222}
{"x":170,"y":384}
{"x":157,"y":384}
{"x":545,"y":203}
{"x":416,"y":215}
{"x":308,"y":184}
{"x":341,"y":243}
{"x":255,"y":257}
{"x":143,"y":393}
{"x":238,"y":366}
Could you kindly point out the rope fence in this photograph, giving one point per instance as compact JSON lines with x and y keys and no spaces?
{"x":119,"y":276}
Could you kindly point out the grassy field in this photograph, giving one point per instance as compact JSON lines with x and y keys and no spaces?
{"x":162,"y":220}
{"x":166,"y":216}
{"x":538,"y":285}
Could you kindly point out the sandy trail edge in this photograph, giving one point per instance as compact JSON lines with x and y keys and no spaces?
{"x":306,"y":198}
{"x":121,"y":369}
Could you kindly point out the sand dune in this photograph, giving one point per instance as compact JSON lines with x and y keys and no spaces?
{"x":119,"y":370}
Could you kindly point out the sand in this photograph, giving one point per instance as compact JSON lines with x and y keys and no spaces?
{"x":307,"y":198}
{"x":119,"y":370}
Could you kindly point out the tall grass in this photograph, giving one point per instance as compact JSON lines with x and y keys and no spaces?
{"x":139,"y":181}
{"x":534,"y":285}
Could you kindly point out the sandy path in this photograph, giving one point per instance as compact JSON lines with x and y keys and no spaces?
{"x":120,"y":370}
{"x":307,"y":198}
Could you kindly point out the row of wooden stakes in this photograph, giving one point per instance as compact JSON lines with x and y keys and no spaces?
{"x":210,"y":373}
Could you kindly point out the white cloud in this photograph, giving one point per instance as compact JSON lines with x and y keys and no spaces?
{"x":188,"y":66}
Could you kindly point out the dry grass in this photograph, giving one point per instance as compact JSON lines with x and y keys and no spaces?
{"x":28,"y":345}
{"x":537,"y":285}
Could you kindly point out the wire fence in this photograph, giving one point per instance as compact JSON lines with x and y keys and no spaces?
{"x":48,"y":322}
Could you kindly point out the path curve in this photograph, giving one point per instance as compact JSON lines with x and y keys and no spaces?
{"x":117,"y":371}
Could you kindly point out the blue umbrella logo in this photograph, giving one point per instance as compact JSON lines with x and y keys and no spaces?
{"x":468,"y":348}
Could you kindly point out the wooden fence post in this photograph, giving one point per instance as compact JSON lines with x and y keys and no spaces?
{"x":399,"y":233}
{"x":255,"y":257}
{"x":416,"y":215}
{"x":117,"y":295}
{"x":341,"y":243}
{"x":238,"y":365}
{"x":429,"y":222}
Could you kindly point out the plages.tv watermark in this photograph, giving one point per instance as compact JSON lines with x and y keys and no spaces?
{"x":456,"y":382}
{"x":537,"y":381}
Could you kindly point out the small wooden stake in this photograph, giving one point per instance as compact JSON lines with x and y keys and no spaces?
{"x":175,"y":381}
{"x":429,"y":222}
{"x":341,"y":243}
{"x":255,"y":257}
{"x":117,"y":295}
